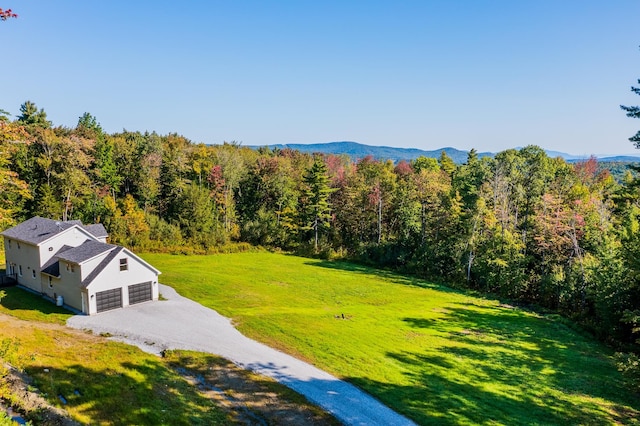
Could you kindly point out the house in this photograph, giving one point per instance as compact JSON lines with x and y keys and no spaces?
{"x":73,"y":264}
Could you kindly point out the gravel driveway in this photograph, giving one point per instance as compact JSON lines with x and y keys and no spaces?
{"x":180,"y":323}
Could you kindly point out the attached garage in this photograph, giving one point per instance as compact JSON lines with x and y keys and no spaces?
{"x":139,"y":293}
{"x":109,"y":299}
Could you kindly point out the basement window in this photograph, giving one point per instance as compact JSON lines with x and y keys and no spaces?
{"x":123,"y":264}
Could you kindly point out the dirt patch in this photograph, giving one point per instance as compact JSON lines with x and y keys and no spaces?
{"x":249,"y":398}
{"x":29,"y":403}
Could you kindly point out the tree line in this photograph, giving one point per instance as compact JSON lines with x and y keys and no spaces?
{"x":520,"y":225}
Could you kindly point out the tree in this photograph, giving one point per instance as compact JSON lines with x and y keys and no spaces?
{"x":31,"y":116}
{"x":317,"y":210}
{"x":88,"y":126}
{"x":6,"y":14}
{"x":633,"y":112}
{"x":14,"y":191}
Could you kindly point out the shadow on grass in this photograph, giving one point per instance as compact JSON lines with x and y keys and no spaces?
{"x":505,"y":366}
{"x":145,"y":393}
{"x":23,"y":304}
{"x":254,"y":399}
{"x":386,"y":275}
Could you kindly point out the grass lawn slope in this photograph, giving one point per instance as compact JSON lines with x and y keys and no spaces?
{"x":436,"y":355}
{"x":97,"y":381}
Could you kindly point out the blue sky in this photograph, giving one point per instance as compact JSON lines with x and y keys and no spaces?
{"x":426,"y":74}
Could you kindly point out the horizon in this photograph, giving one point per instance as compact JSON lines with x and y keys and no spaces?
{"x":586,"y":156}
{"x":489,"y":76}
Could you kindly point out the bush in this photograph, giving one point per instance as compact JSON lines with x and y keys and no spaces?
{"x":629,"y":364}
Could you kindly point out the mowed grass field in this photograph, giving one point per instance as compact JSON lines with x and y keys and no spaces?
{"x":436,"y":355}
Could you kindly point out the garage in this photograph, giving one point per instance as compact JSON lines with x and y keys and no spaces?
{"x":109,"y":299}
{"x":140,"y":293}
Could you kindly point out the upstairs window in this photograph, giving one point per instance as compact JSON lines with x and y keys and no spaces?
{"x":123,"y":264}
{"x":33,"y":273}
{"x":9,"y":243}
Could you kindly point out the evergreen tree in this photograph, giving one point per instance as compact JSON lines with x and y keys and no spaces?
{"x":634,"y":112}
{"x":317,"y":210}
{"x":31,"y":116}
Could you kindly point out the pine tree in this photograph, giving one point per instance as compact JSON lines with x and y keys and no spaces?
{"x":317,"y":210}
{"x":633,"y":112}
{"x":31,"y":116}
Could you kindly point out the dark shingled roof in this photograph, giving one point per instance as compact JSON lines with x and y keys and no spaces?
{"x":85,"y":251}
{"x":97,"y":230}
{"x":52,"y":267}
{"x":37,"y":229}
{"x":101,"y":266}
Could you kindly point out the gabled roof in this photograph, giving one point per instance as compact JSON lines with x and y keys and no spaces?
{"x":52,"y":267}
{"x":85,"y":251}
{"x":37,"y":229}
{"x":100,"y":267}
{"x":97,"y":230}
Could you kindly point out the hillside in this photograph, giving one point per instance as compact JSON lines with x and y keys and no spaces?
{"x":434,"y":354}
{"x":357,"y":150}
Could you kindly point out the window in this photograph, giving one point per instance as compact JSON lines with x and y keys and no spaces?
{"x":33,"y":273}
{"x":50,"y":248}
{"x":50,"y":283}
{"x":9,"y":243}
{"x":18,"y":245}
{"x":123,"y":264}
{"x":70,"y":267}
{"x":20,"y":270}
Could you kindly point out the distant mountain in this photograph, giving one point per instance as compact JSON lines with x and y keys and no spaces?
{"x":357,"y":150}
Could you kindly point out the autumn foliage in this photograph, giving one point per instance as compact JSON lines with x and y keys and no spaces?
{"x":6,"y":14}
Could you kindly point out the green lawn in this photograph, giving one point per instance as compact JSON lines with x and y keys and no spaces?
{"x":103,"y":382}
{"x":434,"y":354}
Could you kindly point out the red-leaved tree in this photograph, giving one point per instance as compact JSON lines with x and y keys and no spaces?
{"x":6,"y":14}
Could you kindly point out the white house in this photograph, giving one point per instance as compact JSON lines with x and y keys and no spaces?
{"x":72,"y":262}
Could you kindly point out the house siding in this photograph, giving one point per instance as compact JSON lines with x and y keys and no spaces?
{"x":72,"y":237}
{"x":72,"y":288}
{"x":23,"y":257}
{"x":52,"y":291}
{"x":79,"y":282}
{"x":112,"y":277}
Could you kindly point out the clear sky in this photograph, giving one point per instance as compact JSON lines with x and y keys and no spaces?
{"x":426,"y":74}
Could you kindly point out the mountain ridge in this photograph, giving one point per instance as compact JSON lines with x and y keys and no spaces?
{"x":358,"y":150}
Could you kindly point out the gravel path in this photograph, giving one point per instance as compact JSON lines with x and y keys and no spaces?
{"x":180,"y":323}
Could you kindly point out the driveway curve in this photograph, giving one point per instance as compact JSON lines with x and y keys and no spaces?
{"x":180,"y":323}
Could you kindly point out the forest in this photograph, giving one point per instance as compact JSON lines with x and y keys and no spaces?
{"x":533,"y":230}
